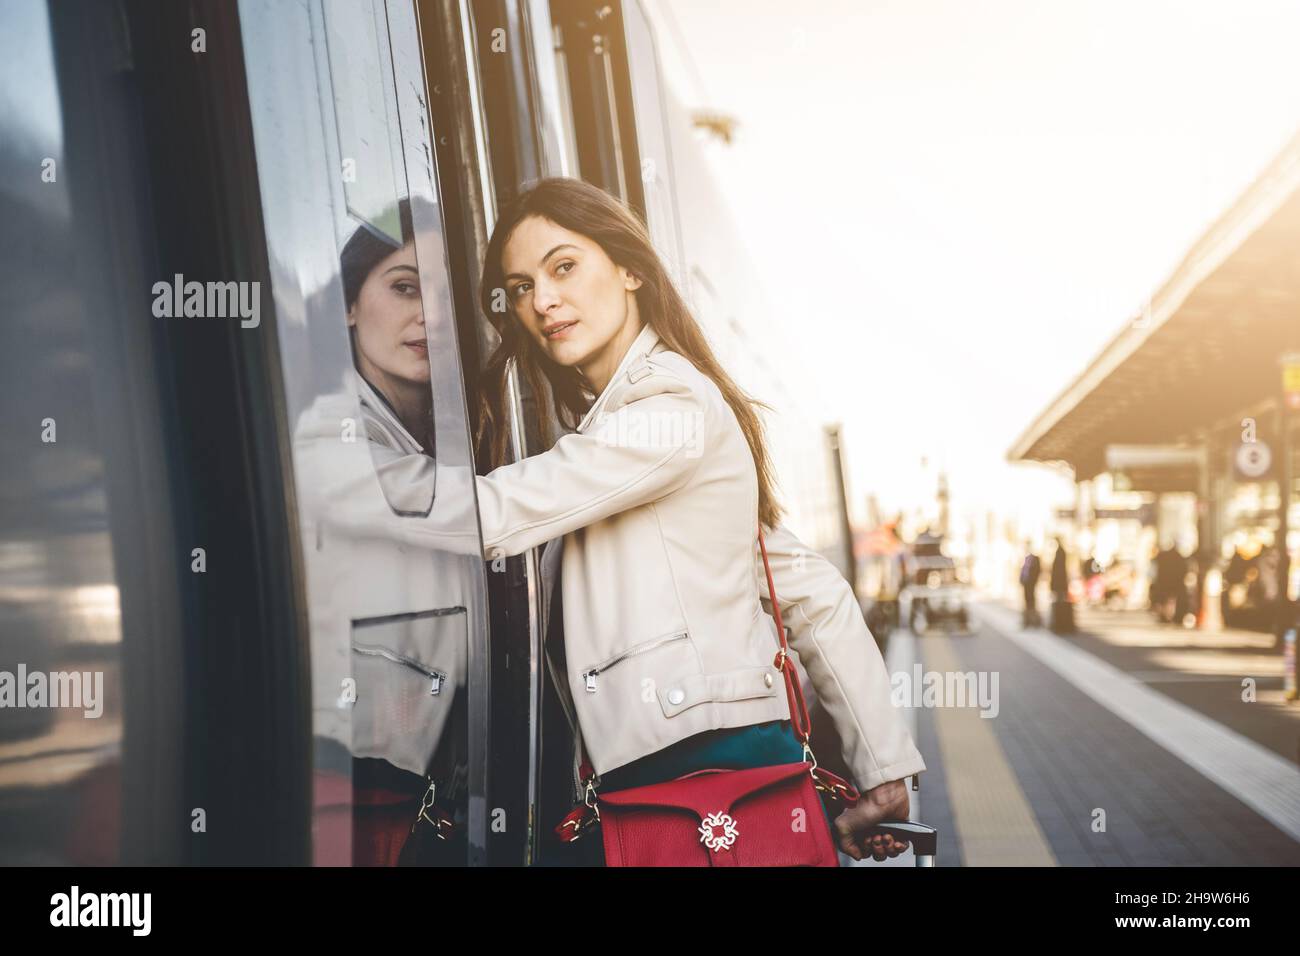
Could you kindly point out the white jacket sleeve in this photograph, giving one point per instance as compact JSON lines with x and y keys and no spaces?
{"x":841,"y":657}
{"x":353,"y":488}
{"x":646,"y":445}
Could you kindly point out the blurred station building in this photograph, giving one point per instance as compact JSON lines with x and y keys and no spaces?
{"x":1184,"y":432}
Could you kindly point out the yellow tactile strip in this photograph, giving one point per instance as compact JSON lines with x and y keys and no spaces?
{"x":995,"y":824}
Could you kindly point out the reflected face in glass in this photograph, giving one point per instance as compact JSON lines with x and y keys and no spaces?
{"x":391,"y":348}
{"x":575,"y":302}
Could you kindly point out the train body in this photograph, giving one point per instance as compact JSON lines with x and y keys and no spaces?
{"x":194,"y":509}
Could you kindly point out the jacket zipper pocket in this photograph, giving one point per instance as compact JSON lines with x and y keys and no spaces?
{"x":589,"y":675}
{"x":437,"y":677}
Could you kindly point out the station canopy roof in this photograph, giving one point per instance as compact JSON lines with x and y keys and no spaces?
{"x":1207,"y":348}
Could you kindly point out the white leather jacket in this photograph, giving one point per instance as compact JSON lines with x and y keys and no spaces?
{"x":667,"y":620}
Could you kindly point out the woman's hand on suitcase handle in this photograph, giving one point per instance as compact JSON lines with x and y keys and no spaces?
{"x":853,"y":827}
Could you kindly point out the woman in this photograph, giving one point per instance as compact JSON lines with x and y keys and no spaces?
{"x":657,"y":493}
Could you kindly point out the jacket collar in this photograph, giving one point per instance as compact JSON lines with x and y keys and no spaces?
{"x":645,"y":342}
{"x":374,"y":400}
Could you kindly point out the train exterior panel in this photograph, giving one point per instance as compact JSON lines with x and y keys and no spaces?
{"x":271,"y":593}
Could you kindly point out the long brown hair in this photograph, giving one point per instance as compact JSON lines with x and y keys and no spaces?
{"x":583,"y":208}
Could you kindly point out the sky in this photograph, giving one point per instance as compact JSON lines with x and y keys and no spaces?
{"x":955,"y":205}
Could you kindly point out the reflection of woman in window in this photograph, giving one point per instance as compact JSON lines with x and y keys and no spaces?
{"x":381,"y":288}
{"x":657,"y":492}
{"x":387,"y":602}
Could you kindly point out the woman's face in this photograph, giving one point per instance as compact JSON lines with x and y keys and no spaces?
{"x":570,"y":297}
{"x":389,"y":323}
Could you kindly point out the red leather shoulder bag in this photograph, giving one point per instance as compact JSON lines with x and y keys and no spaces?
{"x":764,"y":816}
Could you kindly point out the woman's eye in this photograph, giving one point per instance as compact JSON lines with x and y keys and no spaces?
{"x":520,"y":289}
{"x":565,"y":267}
{"x":405,"y":288}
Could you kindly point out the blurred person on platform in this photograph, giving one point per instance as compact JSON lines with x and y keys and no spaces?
{"x":1030,"y":571}
{"x":1170,"y":567}
{"x":1062,"y":614}
{"x":1234,"y":586}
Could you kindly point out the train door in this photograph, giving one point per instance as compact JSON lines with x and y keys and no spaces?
{"x":382,"y":464}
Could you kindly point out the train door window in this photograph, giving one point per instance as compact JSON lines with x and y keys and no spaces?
{"x":589,"y":48}
{"x":554,"y":98}
{"x":394,"y":572}
{"x":615,"y":106}
{"x":654,"y":143}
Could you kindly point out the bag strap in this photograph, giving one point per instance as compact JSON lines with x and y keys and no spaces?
{"x":799,"y":718}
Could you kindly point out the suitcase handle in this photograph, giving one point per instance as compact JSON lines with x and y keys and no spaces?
{"x":924,"y":839}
